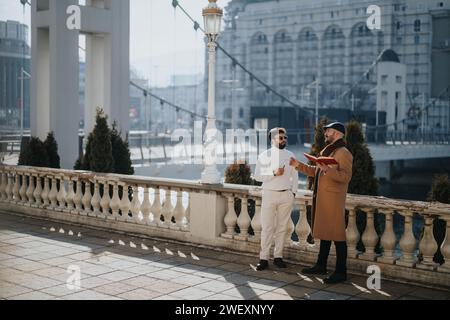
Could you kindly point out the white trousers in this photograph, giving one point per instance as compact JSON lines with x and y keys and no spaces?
{"x":276,"y":209}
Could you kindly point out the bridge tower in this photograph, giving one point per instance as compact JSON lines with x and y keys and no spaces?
{"x":391,"y":88}
{"x":56,"y":26}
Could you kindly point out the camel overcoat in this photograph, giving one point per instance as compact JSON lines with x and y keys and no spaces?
{"x":328,"y":218}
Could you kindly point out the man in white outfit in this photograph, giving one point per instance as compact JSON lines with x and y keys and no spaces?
{"x":280,"y":185}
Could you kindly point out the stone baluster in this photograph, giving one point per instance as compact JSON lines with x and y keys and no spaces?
{"x":37,"y":194}
{"x":352,"y":233}
{"x":388,"y":240}
{"x":23,"y":189}
{"x":53,"y":194}
{"x":30,"y":190}
{"x":407,"y":242}
{"x":61,"y":196}
{"x":2,"y":185}
{"x":78,"y":198}
{"x":124,"y":203}
{"x":289,"y":231}
{"x":16,"y":188}
{"x":135,"y":208}
{"x":146,"y":207}
{"x":243,"y":220}
{"x":370,"y":236}
{"x":303,"y":229}
{"x":187,"y":213}
{"x":230,"y":218}
{"x":46,"y":192}
{"x":86,"y":200}
{"x":70,"y":195}
{"x":428,"y":245}
{"x":179,"y":211}
{"x":9,"y":187}
{"x":445,"y":247}
{"x":115,"y":203}
{"x":167,"y":209}
{"x":95,"y":200}
{"x":256,"y":222}
{"x":156,"y":208}
{"x":106,"y":199}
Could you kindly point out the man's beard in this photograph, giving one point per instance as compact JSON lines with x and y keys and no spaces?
{"x":282,"y":146}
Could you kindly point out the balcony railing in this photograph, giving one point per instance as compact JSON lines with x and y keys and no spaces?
{"x":228,"y":217}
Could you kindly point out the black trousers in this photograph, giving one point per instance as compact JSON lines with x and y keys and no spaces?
{"x":341,"y":255}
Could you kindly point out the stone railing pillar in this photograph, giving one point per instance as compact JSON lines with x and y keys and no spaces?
{"x":207,"y":215}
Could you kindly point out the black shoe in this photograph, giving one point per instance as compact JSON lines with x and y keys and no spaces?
{"x":279,"y":263}
{"x":262,"y":265}
{"x":315,"y":270}
{"x":335,"y":278}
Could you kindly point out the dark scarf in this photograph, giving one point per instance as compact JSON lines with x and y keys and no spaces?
{"x":328,"y":151}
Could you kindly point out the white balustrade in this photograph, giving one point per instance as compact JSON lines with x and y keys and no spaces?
{"x":78,"y":198}
{"x":303,"y":229}
{"x":52,"y":196}
{"x":156,"y":208}
{"x":95,"y":201}
{"x":178,"y":211}
{"x":30,"y":190}
{"x":115,"y":203}
{"x":37,"y":194}
{"x":230,"y":219}
{"x":167,"y":209}
{"x":428,"y":245}
{"x":407,"y":242}
{"x":243,"y":220}
{"x":146,"y":207}
{"x":388,"y":239}
{"x":124,"y":203}
{"x":23,"y":189}
{"x":86,"y":200}
{"x":370,"y":236}
{"x":105,"y":200}
{"x":61,"y":196}
{"x":135,"y":206}
{"x":256,"y":222}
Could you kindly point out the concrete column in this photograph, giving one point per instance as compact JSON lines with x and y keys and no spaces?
{"x":55,"y":76}
{"x":55,"y":69}
{"x":107,"y":54}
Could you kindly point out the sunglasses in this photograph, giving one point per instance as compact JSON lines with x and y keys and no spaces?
{"x":282,"y":138}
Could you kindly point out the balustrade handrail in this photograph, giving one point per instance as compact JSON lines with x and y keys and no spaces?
{"x":353,"y":201}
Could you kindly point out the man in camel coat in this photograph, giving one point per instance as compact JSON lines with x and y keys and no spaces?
{"x":330,"y":192}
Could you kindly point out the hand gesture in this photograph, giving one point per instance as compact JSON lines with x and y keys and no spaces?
{"x":279,"y":172}
{"x":294,"y":162}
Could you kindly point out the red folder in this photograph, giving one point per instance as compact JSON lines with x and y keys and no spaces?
{"x":328,"y":161}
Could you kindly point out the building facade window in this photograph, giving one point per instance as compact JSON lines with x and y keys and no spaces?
{"x":417,"y":25}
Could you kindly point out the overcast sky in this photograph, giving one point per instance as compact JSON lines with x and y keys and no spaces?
{"x":163,"y":42}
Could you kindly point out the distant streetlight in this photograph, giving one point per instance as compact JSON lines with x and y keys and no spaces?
{"x":212,"y":15}
{"x":317,"y":86}
{"x":23,"y":76}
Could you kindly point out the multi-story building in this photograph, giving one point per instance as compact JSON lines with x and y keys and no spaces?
{"x":291,"y":44}
{"x":14,"y":55}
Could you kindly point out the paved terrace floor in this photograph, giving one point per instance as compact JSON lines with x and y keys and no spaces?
{"x":35,"y":255}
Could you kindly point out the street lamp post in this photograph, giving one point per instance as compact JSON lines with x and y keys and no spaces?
{"x":212,"y":15}
{"x":23,"y":76}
